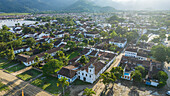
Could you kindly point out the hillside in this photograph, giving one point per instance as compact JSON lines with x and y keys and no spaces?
{"x":52,"y":5}
{"x":87,"y":6}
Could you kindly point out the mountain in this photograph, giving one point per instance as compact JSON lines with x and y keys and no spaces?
{"x":87,"y":6}
{"x":51,"y":5}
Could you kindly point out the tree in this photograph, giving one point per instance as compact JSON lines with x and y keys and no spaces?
{"x":118,"y":72}
{"x":137,"y":76}
{"x":159,"y":52}
{"x":52,"y":67}
{"x":36,"y":59}
{"x":11,"y":54}
{"x":4,"y":27}
{"x":141,"y":69}
{"x":107,"y":78}
{"x":162,"y":36}
{"x":47,"y":46}
{"x":113,"y":34}
{"x":89,"y":92}
{"x":162,"y":76}
{"x":71,"y":45}
{"x":144,"y":37}
{"x":30,"y":42}
{"x":131,"y":35}
{"x":156,"y":40}
{"x":66,"y":36}
{"x":28,"y":30}
{"x":167,"y":23}
{"x":86,"y":41}
{"x":63,"y":81}
{"x":83,"y":59}
{"x":103,"y":34}
{"x":80,"y":36}
{"x":47,"y":57}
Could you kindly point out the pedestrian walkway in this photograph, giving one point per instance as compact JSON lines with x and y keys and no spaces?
{"x":17,"y":85}
{"x":21,"y":71}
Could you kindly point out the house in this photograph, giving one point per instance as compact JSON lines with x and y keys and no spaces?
{"x":91,"y":34}
{"x":21,"y":49}
{"x":131,"y":52}
{"x":129,"y":64}
{"x":136,"y":53}
{"x":120,"y":42}
{"x":68,"y":72}
{"x":29,"y":60}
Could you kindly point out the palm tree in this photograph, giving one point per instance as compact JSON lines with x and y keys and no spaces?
{"x":89,"y":92}
{"x":63,"y":81}
{"x":107,"y":78}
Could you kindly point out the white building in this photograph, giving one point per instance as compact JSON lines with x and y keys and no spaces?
{"x":120,"y":42}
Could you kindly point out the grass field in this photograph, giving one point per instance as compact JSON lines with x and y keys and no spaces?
{"x":15,"y":68}
{"x":74,"y":54}
{"x":48,"y":84}
{"x":5,"y":63}
{"x":3,"y":87}
{"x":79,"y":82}
{"x":30,"y":74}
{"x":6,"y":14}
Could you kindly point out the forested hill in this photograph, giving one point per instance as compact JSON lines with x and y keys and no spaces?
{"x":87,"y":6}
{"x":51,"y":5}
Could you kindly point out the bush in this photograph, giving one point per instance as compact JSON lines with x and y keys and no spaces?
{"x":162,"y":84}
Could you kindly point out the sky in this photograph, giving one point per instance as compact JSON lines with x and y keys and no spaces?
{"x":136,"y":4}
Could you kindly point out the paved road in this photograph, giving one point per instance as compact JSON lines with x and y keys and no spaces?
{"x":16,"y":85}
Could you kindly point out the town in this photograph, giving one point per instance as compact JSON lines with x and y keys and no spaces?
{"x":76,"y":54}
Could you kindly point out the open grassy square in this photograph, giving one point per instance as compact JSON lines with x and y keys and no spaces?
{"x":3,"y":87}
{"x":74,"y":54}
{"x":30,"y":74}
{"x":15,"y":68}
{"x":48,"y":83}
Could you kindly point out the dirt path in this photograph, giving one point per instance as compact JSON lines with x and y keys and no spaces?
{"x":21,"y":71}
{"x":16,"y":85}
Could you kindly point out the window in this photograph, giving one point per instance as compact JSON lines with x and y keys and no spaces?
{"x":82,"y":73}
{"x":90,"y":76}
{"x":90,"y":70}
{"x":86,"y":74}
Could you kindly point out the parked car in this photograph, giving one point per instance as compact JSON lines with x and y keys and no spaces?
{"x":168,"y":93}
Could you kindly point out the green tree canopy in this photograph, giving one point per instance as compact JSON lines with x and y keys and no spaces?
{"x":88,"y":92}
{"x":52,"y":67}
{"x":137,"y":76}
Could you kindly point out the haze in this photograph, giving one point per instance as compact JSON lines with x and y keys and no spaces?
{"x":136,"y":4}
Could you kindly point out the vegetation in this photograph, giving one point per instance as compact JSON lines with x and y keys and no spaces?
{"x":52,"y":67}
{"x":30,"y":74}
{"x":15,"y":68}
{"x":63,"y":82}
{"x":3,"y":87}
{"x":137,"y":76}
{"x":89,"y":92}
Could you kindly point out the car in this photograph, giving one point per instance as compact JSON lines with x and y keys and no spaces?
{"x":168,"y":93}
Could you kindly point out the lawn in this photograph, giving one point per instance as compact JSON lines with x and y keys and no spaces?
{"x":3,"y":87}
{"x":5,"y":63}
{"x":79,"y":82}
{"x":30,"y":74}
{"x":15,"y":68}
{"x":73,"y":54}
{"x":49,"y":84}
{"x":6,"y":14}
